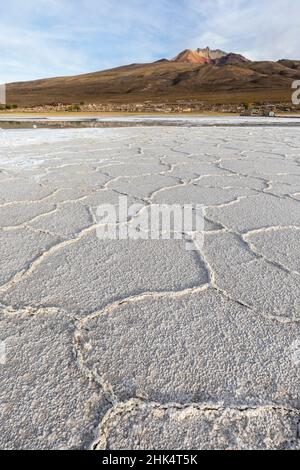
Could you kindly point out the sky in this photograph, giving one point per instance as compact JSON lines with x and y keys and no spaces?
{"x":45,"y":38}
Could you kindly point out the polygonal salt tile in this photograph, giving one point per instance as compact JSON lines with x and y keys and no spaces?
{"x":68,"y":219}
{"x":281,"y":245}
{"x":87,"y":274}
{"x":262,"y":167}
{"x":142,"y":426}
{"x":142,"y":186}
{"x":230,"y":181}
{"x":197,"y":347}
{"x":193,"y":194}
{"x":134,"y":169}
{"x":12,"y":215}
{"x":250,"y":279}
{"x":45,"y":400}
{"x":17,"y":190}
{"x":19,"y":248}
{"x":260,"y":211}
{"x":192,"y":170}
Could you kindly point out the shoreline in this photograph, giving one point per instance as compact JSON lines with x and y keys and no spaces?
{"x":79,"y":114}
{"x":10,"y":114}
{"x":115,"y":120}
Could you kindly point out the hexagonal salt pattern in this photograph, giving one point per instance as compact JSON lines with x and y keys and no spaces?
{"x":117,"y":344}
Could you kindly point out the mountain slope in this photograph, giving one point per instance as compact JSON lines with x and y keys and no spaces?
{"x":232,"y":59}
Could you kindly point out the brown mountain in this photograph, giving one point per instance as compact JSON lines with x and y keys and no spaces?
{"x":211,"y":76}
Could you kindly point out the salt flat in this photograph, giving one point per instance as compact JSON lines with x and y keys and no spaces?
{"x":142,"y":344}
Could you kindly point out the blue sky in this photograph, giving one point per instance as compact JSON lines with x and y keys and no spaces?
{"x":43,"y":38}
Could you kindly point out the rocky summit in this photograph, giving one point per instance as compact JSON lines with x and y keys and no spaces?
{"x":200,"y":56}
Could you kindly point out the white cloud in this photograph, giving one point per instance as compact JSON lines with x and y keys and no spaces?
{"x":265,"y":29}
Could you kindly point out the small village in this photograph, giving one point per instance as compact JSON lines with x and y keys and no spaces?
{"x":193,"y":107}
